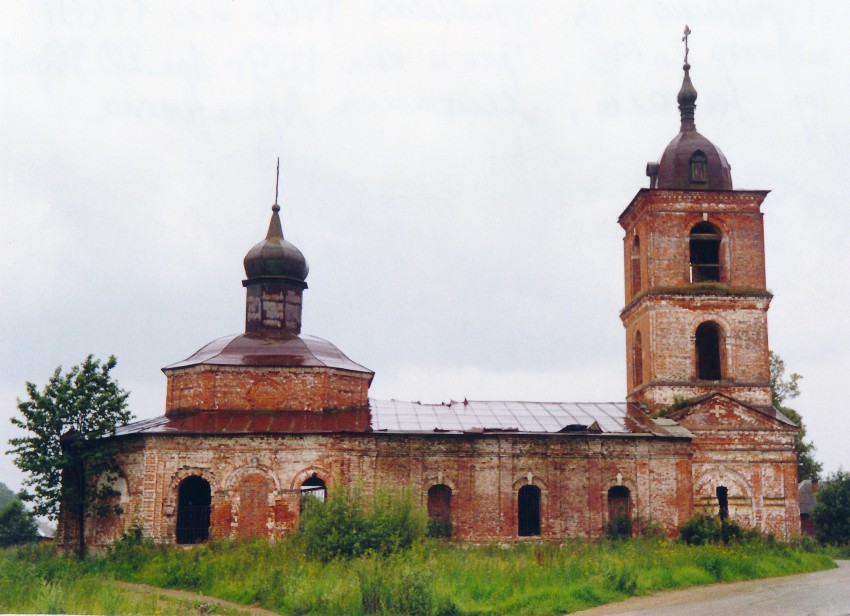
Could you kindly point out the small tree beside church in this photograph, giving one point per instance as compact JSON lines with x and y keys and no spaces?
{"x":64,"y":454}
{"x":787,"y":388}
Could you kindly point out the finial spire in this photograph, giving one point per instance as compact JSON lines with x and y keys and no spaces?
{"x":276,"y":207}
{"x":275,"y":228}
{"x":687,"y":97}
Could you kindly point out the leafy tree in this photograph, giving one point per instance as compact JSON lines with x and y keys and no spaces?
{"x":787,"y":389}
{"x":17,"y":525}
{"x":64,"y":454}
{"x":6,"y":495}
{"x":831,"y":514}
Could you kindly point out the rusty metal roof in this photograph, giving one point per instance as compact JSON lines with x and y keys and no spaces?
{"x":292,"y":351}
{"x":394,"y":416}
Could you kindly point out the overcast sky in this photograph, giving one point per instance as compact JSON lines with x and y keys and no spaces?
{"x":452,"y":172}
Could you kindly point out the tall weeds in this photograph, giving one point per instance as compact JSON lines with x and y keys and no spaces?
{"x":429,"y":577}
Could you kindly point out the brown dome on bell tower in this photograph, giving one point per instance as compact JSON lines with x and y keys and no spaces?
{"x":690,"y":161}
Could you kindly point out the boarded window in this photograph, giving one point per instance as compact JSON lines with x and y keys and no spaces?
{"x":193,"y":510}
{"x":528,"y":505}
{"x":313,"y":487}
{"x":636,"y":280}
{"x":708,"y":352}
{"x":637,"y":360}
{"x":705,"y":253}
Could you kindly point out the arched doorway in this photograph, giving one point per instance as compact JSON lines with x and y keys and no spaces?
{"x":440,"y":511}
{"x":619,"y":512}
{"x":528,"y":511}
{"x":193,"y":510}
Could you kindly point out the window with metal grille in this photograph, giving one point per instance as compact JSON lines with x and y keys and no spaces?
{"x":193,"y":510}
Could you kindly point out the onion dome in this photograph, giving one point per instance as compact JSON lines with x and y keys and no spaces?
{"x":691,"y":161}
{"x":274,"y":256}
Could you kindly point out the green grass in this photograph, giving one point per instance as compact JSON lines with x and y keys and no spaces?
{"x":48,"y":584}
{"x":432,"y":577}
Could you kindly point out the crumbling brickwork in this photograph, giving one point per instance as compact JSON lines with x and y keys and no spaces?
{"x":255,"y":480}
{"x":752,"y":456}
{"x":213,"y":388}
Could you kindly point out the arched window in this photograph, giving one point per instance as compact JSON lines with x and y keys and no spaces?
{"x":313,"y":487}
{"x":636,"y":281}
{"x":699,"y":168}
{"x":528,"y":509}
{"x":440,"y":511}
{"x":708,"y":352}
{"x":637,"y":360}
{"x":705,"y":253}
{"x":193,"y":510}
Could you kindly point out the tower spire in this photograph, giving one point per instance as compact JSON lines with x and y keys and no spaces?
{"x":687,"y":93}
{"x":277,"y":181}
{"x":275,"y":228}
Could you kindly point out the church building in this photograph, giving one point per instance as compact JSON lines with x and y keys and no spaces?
{"x":256,"y":422}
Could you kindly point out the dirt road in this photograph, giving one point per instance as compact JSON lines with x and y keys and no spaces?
{"x":826,"y":593}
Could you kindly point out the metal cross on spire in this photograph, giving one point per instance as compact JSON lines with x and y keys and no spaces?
{"x":685,"y":39}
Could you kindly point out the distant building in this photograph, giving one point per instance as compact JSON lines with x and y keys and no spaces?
{"x":256,"y":422}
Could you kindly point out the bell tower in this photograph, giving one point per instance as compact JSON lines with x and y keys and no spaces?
{"x":696,"y":296}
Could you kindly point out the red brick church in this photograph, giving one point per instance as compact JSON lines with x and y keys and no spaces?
{"x":258,"y":421}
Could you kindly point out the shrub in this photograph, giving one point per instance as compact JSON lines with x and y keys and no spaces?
{"x":619,"y":527}
{"x":440,"y":529}
{"x":650,"y":528}
{"x":342,"y":526}
{"x":703,"y":528}
{"x":700,"y":529}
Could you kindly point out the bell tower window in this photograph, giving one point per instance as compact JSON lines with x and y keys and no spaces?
{"x":705,"y":253}
{"x":637,"y":360}
{"x":699,"y":168}
{"x":708,"y":352}
{"x":636,"y":280}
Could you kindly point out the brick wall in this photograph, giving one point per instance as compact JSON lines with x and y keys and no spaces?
{"x":255,"y":480}
{"x":210,"y":388}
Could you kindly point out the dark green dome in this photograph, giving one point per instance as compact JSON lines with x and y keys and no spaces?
{"x":274,"y":256}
